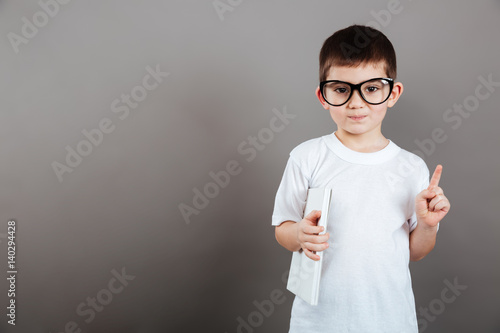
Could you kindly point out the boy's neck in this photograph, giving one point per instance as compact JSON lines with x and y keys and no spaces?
{"x":363,"y":143}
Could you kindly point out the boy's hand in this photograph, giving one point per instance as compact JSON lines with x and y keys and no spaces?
{"x":431,"y":205}
{"x":307,"y":235}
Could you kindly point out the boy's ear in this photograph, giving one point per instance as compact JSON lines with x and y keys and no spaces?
{"x":397,"y":90}
{"x":321,"y":99}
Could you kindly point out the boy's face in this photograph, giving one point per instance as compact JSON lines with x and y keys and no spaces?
{"x":371,"y":123}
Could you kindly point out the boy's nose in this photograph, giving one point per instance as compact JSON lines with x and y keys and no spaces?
{"x":356,"y":101}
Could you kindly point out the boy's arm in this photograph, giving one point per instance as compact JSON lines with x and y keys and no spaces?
{"x":431,"y":205}
{"x":286,"y":235}
{"x":422,"y":241}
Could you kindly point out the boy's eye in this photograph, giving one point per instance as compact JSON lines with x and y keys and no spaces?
{"x":337,"y":88}
{"x":372,"y":89}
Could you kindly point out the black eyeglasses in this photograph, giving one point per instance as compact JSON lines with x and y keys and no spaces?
{"x":373,"y":91}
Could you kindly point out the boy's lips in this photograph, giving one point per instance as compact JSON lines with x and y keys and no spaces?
{"x":360,"y":117}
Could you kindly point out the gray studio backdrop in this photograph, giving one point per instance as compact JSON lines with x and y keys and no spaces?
{"x":116,"y":115}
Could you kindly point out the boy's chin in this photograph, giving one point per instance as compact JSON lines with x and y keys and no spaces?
{"x":353,"y":131}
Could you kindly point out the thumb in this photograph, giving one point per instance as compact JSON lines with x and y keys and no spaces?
{"x":313,"y":216}
{"x":421,"y":203}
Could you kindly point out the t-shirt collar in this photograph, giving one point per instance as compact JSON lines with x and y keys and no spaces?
{"x":352,"y":156}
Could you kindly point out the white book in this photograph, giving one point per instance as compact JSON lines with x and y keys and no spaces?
{"x":305,"y":273}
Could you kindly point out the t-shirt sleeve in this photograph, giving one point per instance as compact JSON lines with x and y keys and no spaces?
{"x":423,"y":184}
{"x":292,"y":194}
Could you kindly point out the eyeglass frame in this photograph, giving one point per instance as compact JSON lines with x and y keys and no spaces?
{"x":358,"y":88}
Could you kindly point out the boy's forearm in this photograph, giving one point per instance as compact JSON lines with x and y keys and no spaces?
{"x":422,"y":241}
{"x":286,"y":235}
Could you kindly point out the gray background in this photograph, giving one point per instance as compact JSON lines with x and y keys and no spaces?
{"x":120,"y":206}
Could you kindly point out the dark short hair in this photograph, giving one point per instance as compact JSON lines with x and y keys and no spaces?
{"x":354,"y":45}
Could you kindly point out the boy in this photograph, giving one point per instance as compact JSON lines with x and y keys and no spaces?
{"x":384,"y":210}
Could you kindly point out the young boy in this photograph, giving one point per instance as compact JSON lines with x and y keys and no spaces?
{"x":384,"y":210}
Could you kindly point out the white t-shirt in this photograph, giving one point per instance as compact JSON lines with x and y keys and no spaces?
{"x":365,"y":280}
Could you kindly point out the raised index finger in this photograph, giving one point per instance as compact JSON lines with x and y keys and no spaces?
{"x":435,"y":177}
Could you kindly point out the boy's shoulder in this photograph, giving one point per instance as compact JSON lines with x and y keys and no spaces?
{"x":408,"y":157}
{"x":308,"y":154}
{"x":307,"y":148}
{"x":413,"y":167}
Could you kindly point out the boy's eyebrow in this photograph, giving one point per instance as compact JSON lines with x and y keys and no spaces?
{"x":375,"y":77}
